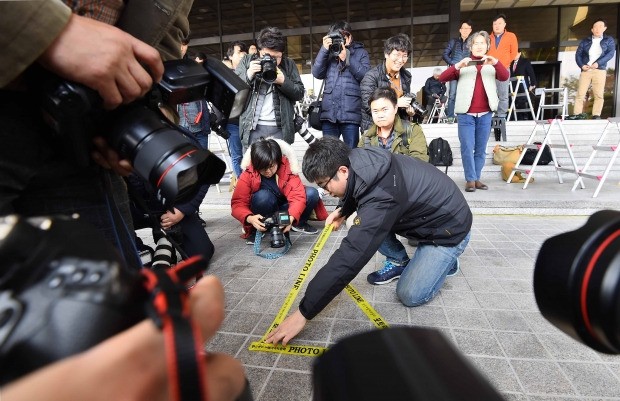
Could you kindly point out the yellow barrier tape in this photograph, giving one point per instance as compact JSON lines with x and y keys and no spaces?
{"x":311,"y":350}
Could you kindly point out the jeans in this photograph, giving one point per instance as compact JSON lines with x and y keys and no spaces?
{"x":393,"y":250}
{"x":265,"y":203}
{"x":451,"y":98}
{"x":235,"y":148}
{"x":426,"y":271}
{"x":503,"y":90}
{"x":474,"y":134}
{"x":350,"y":132}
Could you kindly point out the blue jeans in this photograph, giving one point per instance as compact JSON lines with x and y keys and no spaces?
{"x":265,"y":203}
{"x":350,"y":132}
{"x":451,"y":98}
{"x":235,"y":148}
{"x":474,"y":134}
{"x":426,"y":271}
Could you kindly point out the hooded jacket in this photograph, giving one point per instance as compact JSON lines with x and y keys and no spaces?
{"x":287,"y":178}
{"x":392,"y":193}
{"x":342,"y":99}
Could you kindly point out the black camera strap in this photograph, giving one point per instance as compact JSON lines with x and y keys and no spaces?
{"x":169,"y":309}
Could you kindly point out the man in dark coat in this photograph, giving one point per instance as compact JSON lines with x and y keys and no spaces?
{"x":341,"y":108}
{"x":522,"y":66}
{"x":390,"y":74}
{"x":393,"y":194}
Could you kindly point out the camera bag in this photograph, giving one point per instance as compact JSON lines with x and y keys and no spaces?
{"x":314,"y":110}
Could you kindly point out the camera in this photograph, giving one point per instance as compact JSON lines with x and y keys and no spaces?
{"x":301,"y":127}
{"x":269,"y":68}
{"x":417,"y":107}
{"x":337,"y":41}
{"x":577,"y":282}
{"x":158,"y":150}
{"x":63,"y":289}
{"x":274,"y":226}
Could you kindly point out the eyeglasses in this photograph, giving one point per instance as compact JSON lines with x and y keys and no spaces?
{"x":396,"y":57}
{"x":324,"y":185}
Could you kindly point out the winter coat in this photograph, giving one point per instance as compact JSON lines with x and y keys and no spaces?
{"x":342,"y":99}
{"x":284,"y":98}
{"x":456,"y":51}
{"x":608,"y":45}
{"x":392,"y":194}
{"x":377,"y":78}
{"x":409,"y":139}
{"x":287,"y":178}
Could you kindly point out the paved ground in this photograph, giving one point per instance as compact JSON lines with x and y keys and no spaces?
{"x":487,"y":310}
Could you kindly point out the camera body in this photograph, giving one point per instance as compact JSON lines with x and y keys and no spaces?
{"x":159,"y":151}
{"x":274,"y":226}
{"x":337,"y":41}
{"x":62,"y":290}
{"x":269,"y":68}
{"x":417,"y":107}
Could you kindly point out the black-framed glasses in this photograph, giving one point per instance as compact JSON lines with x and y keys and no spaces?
{"x":324,"y":186}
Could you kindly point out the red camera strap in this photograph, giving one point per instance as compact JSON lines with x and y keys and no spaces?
{"x":169,"y":309}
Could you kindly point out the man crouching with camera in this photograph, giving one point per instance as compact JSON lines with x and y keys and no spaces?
{"x":276,"y":86}
{"x":269,"y":184}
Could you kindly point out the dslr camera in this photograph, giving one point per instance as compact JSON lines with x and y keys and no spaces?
{"x":417,"y":107}
{"x":269,"y":68}
{"x":337,"y":41}
{"x":274,"y":226}
{"x":577,"y":282}
{"x":63,"y":289}
{"x":159,"y":151}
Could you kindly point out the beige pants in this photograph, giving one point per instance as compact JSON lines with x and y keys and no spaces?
{"x":597,"y":79}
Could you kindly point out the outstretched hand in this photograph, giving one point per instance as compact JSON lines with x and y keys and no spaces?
{"x":287,"y":330}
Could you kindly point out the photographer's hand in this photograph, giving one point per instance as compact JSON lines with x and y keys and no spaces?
{"x":279,"y":77}
{"x":288,"y":228}
{"x":132,"y":364}
{"x":169,"y":218}
{"x":115,"y":64}
{"x":254,"y":68}
{"x":108,"y":158}
{"x":256,"y":221}
{"x":327,"y":41}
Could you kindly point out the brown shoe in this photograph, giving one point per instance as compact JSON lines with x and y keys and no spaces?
{"x":470,"y":186}
{"x":482,"y":186}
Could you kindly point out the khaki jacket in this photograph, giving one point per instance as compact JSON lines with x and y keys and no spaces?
{"x":409,"y":139}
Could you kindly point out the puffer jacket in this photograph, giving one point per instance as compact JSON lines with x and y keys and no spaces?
{"x":608,"y":45}
{"x":392,"y":193}
{"x":456,"y":51}
{"x":284,"y":98}
{"x":409,"y":139}
{"x":377,"y":78}
{"x":342,"y":99}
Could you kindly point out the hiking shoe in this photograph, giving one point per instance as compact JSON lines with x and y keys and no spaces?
{"x":581,"y":116}
{"x":387,"y":274}
{"x":455,"y":269}
{"x":450,"y":120}
{"x":305,"y":229}
{"x":251,"y":239}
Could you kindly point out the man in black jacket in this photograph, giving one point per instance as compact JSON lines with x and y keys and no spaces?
{"x":393,"y":194}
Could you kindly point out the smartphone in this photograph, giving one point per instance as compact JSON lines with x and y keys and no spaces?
{"x":474,"y":62}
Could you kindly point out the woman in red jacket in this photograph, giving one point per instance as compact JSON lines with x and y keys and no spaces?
{"x":270,"y":183}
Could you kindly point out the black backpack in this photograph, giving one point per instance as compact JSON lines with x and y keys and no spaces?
{"x":440,"y":153}
{"x":530,"y":155}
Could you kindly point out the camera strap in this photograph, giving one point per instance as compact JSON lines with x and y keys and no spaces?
{"x":169,"y":309}
{"x":270,"y":255}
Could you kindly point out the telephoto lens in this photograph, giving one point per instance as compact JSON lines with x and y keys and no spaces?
{"x":577,"y":282}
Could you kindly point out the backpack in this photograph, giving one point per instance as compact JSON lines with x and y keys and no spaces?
{"x":440,"y":153}
{"x":530,"y":155}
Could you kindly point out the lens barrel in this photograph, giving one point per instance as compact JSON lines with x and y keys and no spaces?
{"x":577,"y":282}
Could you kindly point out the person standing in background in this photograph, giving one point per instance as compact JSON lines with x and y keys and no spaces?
{"x":235,"y":53}
{"x":341,"y":111}
{"x":504,"y":47}
{"x":521,"y":66}
{"x":592,"y":56}
{"x":456,"y":51}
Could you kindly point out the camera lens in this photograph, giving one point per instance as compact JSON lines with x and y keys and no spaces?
{"x":277,"y":237}
{"x":577,"y":282}
{"x":269,"y":71}
{"x":163,"y":156}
